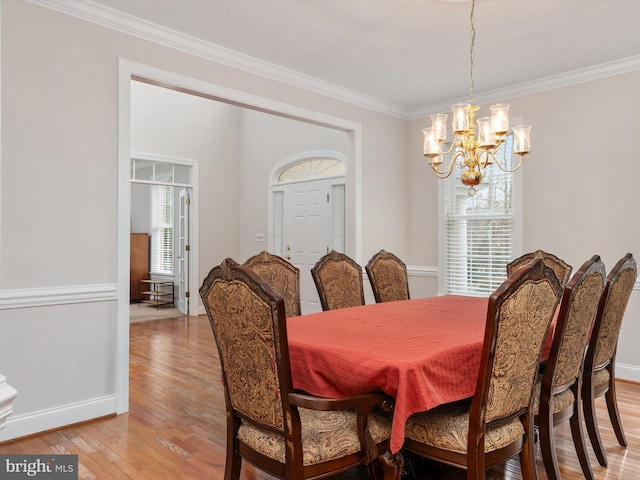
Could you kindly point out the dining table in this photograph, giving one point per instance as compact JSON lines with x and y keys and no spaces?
{"x":422,"y":352}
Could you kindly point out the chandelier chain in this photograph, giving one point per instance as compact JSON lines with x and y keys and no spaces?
{"x":473,"y":41}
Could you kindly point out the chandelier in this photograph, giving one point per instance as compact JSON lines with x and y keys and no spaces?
{"x":473,"y":153}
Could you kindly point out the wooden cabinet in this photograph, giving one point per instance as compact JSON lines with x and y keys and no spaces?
{"x":138,"y":265}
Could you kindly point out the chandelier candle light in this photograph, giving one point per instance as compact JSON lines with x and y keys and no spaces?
{"x":471,"y":153}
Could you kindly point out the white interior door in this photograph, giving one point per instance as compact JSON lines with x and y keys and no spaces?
{"x":182,"y":257}
{"x":307,"y":233}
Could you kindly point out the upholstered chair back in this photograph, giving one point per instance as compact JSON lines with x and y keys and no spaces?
{"x":388,"y":277}
{"x":281,"y":276}
{"x":559,"y":266}
{"x":558,"y":394}
{"x":580,"y":299}
{"x":620,"y":283}
{"x":599,"y":376}
{"x":338,"y":280}
{"x":248,"y":327}
{"x":518,"y":320}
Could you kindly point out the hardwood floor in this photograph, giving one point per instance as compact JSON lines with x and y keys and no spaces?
{"x":176,"y":425}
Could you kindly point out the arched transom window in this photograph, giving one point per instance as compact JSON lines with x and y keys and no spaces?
{"x":313,"y":168}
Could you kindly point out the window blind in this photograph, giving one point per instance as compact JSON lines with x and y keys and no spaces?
{"x":479,"y":230}
{"x":162,"y":229}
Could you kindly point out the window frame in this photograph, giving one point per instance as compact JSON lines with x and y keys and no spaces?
{"x":516,"y":234}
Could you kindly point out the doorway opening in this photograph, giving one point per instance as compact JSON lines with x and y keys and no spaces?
{"x":161,"y":192}
{"x":129,"y":71}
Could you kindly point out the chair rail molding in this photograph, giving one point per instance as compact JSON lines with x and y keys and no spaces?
{"x":414,"y":271}
{"x":422,"y":271}
{"x":7,"y":395}
{"x":39,"y":297}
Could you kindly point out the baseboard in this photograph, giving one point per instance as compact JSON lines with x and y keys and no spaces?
{"x":628,"y":372}
{"x":18,"y":426}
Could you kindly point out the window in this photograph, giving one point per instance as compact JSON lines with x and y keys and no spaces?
{"x":480,"y":232}
{"x":162,"y":229}
{"x":313,"y":168}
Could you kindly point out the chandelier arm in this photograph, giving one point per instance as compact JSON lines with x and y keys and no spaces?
{"x":509,"y":170}
{"x":453,"y":145}
{"x":443,"y":173}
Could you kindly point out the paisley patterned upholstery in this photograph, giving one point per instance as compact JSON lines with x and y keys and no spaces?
{"x":561,"y":269}
{"x":338,"y":280}
{"x":388,"y":277}
{"x":447,"y":427}
{"x":497,"y":423}
{"x":601,"y":353}
{"x":285,"y":433}
{"x":557,"y":397}
{"x":281,"y":276}
{"x":601,"y":378}
{"x":325,"y":435}
{"x":561,"y":401}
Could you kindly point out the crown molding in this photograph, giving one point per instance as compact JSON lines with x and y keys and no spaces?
{"x":110,"y":18}
{"x":595,"y":72}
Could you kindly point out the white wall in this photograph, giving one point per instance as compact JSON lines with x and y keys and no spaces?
{"x":581,"y":180}
{"x":579,"y":185}
{"x":174,"y":124}
{"x":59,"y":241}
{"x":267,"y":140}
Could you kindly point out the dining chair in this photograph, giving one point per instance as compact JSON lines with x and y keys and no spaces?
{"x":559,"y":266}
{"x":497,"y":422}
{"x":558,"y":392}
{"x":388,"y":277}
{"x":599,"y":370}
{"x":286,"y":433}
{"x":281,"y":276}
{"x":338,"y":280}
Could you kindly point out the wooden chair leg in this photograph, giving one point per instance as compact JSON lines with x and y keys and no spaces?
{"x":614,"y":415}
{"x":233,"y":460}
{"x":391,"y":465}
{"x":233,"y":465}
{"x":591,"y":421}
{"x":579,"y":442}
{"x":547,"y":445}
{"x":528,"y":455}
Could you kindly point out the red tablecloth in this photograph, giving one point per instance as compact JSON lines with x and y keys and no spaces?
{"x":423,"y":352}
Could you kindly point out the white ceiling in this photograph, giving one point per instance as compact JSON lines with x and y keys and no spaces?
{"x":409,"y":53}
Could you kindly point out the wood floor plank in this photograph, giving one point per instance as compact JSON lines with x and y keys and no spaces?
{"x":175,"y":428}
